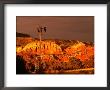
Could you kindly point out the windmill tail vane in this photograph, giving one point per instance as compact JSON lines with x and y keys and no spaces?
{"x":40,"y":29}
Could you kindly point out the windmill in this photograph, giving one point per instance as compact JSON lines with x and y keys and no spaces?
{"x":41,"y":30}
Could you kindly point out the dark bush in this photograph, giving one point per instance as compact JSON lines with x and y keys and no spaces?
{"x":20,"y":65}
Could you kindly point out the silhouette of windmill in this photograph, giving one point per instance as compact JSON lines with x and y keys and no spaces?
{"x":41,"y":30}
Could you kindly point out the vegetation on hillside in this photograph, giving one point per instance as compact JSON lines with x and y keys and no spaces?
{"x":54,"y":56}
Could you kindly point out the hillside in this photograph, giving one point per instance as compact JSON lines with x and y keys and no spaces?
{"x":22,"y":41}
{"x":22,"y":35}
{"x":60,"y":55}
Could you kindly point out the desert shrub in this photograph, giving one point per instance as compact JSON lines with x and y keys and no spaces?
{"x":36,"y":66}
{"x":34,"y":63}
{"x":89,"y":63}
{"x":55,"y":57}
{"x":76,"y":63}
{"x":60,"y":65}
{"x":30,"y":67}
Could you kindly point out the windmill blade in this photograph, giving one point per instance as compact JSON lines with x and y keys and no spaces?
{"x":38,"y":30}
{"x":45,"y":29}
{"x":41,"y":29}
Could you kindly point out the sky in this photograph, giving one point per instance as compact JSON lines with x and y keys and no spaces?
{"x":58,"y":27}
